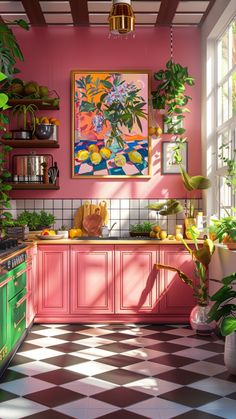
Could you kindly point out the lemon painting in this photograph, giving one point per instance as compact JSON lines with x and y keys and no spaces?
{"x":110,"y":124}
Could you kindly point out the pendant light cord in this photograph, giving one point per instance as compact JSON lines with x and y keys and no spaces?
{"x":171,"y":43}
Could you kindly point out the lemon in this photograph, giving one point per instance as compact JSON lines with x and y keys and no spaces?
{"x":163,"y":234}
{"x":82,"y":155}
{"x":93,"y":148}
{"x":120,"y":160}
{"x":105,"y":153}
{"x":135,"y":157}
{"x":52,"y":232}
{"x":95,"y":158}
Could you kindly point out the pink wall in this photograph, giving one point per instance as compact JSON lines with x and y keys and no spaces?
{"x":51,"y":53}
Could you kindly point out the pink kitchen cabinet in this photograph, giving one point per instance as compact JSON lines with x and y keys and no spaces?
{"x":53,"y":280}
{"x":92,"y":279}
{"x":175,"y":297}
{"x":136,"y":279}
{"x":31,"y":284}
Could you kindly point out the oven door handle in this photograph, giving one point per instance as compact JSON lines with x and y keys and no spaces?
{"x":20,"y":272}
{"x":18,"y":304}
{"x":6,"y":281}
{"x":17,"y":324}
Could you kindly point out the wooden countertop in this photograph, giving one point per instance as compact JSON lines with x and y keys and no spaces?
{"x":114,"y":241}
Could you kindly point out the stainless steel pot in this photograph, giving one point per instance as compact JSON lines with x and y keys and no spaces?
{"x":28,"y":168}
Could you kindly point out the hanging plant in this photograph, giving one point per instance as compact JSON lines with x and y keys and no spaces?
{"x":170,"y":95}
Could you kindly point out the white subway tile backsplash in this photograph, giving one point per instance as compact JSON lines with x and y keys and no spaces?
{"x":124,"y":224}
{"x":124,"y":212}
{"x":115,"y":203}
{"x":67,"y":203}
{"x":58,"y":213}
{"x":58,"y":203}
{"x":144,"y":214}
{"x":143,"y":203}
{"x":48,"y":204}
{"x":76,"y":203}
{"x":124,"y":203}
{"x":134,"y":203}
{"x":67,"y":214}
{"x":134,"y":214}
{"x":38,"y":204}
{"x":29,"y":204}
{"x":114,"y":214}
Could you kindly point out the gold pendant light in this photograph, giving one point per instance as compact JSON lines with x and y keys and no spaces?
{"x":121,"y":17}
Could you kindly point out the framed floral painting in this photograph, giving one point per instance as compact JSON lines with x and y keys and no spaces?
{"x":110,"y":124}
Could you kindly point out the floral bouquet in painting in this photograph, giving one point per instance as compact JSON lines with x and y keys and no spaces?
{"x":110,"y":124}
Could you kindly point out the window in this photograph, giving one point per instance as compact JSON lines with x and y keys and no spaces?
{"x":225,"y":116}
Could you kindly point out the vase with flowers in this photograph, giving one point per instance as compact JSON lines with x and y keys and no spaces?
{"x":201,"y":257}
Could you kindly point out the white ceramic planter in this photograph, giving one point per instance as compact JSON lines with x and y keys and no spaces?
{"x":230,"y":353}
{"x":65,"y":233}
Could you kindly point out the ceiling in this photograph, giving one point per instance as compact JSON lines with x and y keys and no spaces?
{"x":95,"y":13}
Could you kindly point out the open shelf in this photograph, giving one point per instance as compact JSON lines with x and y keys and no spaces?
{"x":31,"y":143}
{"x":37,"y":186}
{"x":41,"y":104}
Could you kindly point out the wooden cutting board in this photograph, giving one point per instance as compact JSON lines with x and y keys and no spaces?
{"x":93,"y":223}
{"x":89,"y":209}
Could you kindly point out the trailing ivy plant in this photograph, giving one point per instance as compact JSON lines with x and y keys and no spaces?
{"x":170,"y":94}
{"x":10,"y":52}
{"x":230,"y":163}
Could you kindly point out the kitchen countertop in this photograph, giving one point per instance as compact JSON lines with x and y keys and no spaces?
{"x":114,"y":240}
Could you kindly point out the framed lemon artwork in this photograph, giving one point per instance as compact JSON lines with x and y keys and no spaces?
{"x":110,"y":115}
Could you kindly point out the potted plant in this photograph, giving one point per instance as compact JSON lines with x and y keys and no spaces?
{"x":64,"y":230}
{"x":170,"y":95}
{"x":141,"y":229}
{"x":224,"y":312}
{"x":201,"y":257}
{"x":25,"y":121}
{"x":10,"y":50}
{"x":225,"y":230}
{"x":36,"y":220}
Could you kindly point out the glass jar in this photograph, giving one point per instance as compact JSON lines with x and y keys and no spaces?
{"x":178,"y":229}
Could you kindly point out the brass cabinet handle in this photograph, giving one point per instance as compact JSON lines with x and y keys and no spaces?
{"x":17,"y":324}
{"x":20,"y":272}
{"x":18,"y":304}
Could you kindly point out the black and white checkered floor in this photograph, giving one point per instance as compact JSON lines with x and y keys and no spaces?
{"x":117,"y":372}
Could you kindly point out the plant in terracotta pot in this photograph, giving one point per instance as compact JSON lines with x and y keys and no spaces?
{"x":201,"y":257}
{"x":223,"y":311}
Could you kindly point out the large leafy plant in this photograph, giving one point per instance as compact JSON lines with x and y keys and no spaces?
{"x":225,"y":228}
{"x":34,"y":220}
{"x":201,"y":258}
{"x":9,"y":53}
{"x":223,"y":309}
{"x":170,"y":95}
{"x":119,"y":104}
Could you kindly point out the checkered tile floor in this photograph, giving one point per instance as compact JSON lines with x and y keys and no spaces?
{"x":117,"y":372}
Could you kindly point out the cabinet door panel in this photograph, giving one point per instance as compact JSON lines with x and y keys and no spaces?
{"x":53,"y":278}
{"x":175,"y":296}
{"x":135,"y":277}
{"x":31,"y":284}
{"x":92,"y":279}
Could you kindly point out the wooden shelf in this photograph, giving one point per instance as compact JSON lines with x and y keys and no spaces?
{"x":41,"y":104}
{"x":35,"y":186}
{"x":31,"y":143}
